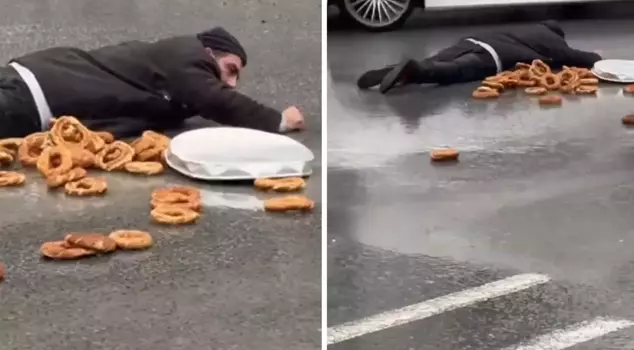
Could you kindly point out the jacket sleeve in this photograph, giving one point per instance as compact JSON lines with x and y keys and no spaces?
{"x":578,"y":58}
{"x":200,"y":90}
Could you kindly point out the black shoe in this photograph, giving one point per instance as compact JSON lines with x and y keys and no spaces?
{"x":399,"y":74}
{"x":372,"y":78}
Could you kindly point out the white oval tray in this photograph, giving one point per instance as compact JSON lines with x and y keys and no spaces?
{"x":616,"y":71}
{"x":227,"y":153}
{"x":197,"y":171}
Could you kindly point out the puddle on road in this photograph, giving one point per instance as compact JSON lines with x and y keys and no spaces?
{"x":231,"y":200}
{"x":366,"y":132}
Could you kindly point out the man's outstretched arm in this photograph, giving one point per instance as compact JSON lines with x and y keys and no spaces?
{"x":578,"y":58}
{"x":198,"y":88}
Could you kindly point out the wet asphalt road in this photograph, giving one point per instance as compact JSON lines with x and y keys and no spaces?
{"x":238,"y":279}
{"x":546,"y":191}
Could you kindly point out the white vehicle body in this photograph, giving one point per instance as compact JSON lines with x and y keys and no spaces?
{"x":448,"y":4}
{"x":381,"y":15}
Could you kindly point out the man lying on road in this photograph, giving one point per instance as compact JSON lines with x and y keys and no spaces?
{"x":135,"y":86}
{"x":482,"y":55}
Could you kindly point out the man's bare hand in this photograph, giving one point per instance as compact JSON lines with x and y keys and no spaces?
{"x":293,"y":119}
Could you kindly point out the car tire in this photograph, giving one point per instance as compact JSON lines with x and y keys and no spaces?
{"x":389,"y":14}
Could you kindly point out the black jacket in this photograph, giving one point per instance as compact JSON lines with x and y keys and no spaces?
{"x":134,"y":86}
{"x":545,"y":41}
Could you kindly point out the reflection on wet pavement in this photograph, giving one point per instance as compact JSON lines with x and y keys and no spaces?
{"x":513,"y":154}
{"x":536,"y":191}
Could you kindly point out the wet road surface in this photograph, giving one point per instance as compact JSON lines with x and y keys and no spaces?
{"x":536,"y":191}
{"x":238,"y":279}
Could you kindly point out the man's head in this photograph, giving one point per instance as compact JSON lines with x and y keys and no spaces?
{"x":227,"y":51}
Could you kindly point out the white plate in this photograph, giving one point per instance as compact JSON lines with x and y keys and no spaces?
{"x":617,"y":71}
{"x":237,"y":154}
{"x":182,"y":168}
{"x":237,"y":145}
{"x":602,"y":76}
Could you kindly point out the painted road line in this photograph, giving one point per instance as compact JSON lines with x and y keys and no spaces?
{"x":425,"y":309}
{"x":576,"y":334}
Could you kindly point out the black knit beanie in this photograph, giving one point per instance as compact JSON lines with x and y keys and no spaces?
{"x":219,"y":39}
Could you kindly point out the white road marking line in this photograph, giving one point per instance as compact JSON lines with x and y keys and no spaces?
{"x":425,"y":309}
{"x":576,"y":334}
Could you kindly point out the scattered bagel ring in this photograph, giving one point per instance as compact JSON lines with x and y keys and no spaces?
{"x":54,"y":160}
{"x":11,"y":178}
{"x":150,"y":154}
{"x":569,"y":81}
{"x":289,"y":203}
{"x":31,"y":148}
{"x":289,"y":184}
{"x":57,"y":180}
{"x":92,"y":241}
{"x":550,"y":100}
{"x":510,"y":82}
{"x":145,"y":168}
{"x":6,"y":157}
{"x":177,"y":200}
{"x":526,"y":82}
{"x":167,"y":192}
{"x":11,"y":144}
{"x":60,"y":250}
{"x":587,"y":89}
{"x":550,"y":81}
{"x":568,"y":75}
{"x":539,"y":68}
{"x":150,"y":146}
{"x":96,"y":144}
{"x":114,"y":156}
{"x":444,"y":154}
{"x":484,"y":92}
{"x":536,"y":90}
{"x":105,"y":136}
{"x":174,"y":215}
{"x":82,"y":158}
{"x":589,"y":81}
{"x":88,"y":186}
{"x":628,"y":119}
{"x":493,"y":84}
{"x":69,"y":132}
{"x":131,"y":239}
{"x":525,"y":76}
{"x":522,"y":66}
{"x":584,"y":73}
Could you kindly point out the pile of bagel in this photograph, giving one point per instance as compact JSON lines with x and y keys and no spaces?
{"x":538,"y":79}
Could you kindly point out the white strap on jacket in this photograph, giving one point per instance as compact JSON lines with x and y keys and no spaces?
{"x":31,"y":82}
{"x":491,"y":50}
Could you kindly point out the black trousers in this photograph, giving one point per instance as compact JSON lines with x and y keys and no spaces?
{"x":460,"y":63}
{"x":18,"y":113}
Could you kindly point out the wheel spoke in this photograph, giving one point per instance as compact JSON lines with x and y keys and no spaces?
{"x":388,"y":7}
{"x":367,"y":10}
{"x":374,"y":11}
{"x":396,"y":3}
{"x":377,"y":13}
{"x":383,"y":10}
{"x":365,"y":4}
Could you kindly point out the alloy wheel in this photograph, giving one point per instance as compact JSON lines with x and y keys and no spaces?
{"x":377,"y":13}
